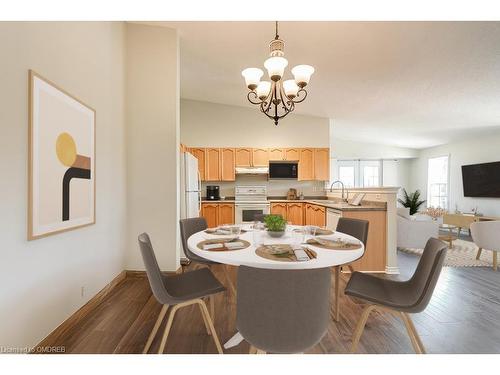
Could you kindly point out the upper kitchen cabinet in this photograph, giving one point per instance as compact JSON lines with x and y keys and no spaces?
{"x":199,"y":153}
{"x":306,"y":164}
{"x":213,"y":167}
{"x":243,"y":157}
{"x":260,"y":157}
{"x":291,"y":154}
{"x":276,"y":154}
{"x":227,"y":161}
{"x":322,"y":164}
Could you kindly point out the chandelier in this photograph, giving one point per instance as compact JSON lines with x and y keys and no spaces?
{"x":277,"y":98}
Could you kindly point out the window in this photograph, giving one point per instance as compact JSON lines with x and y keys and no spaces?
{"x":346,"y":175}
{"x":437,"y":182}
{"x":359,"y":173}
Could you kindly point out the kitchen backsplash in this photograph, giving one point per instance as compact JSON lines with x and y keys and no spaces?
{"x":274,"y":187}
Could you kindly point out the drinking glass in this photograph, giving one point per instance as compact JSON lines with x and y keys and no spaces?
{"x":235,"y":230}
{"x":257,"y":234}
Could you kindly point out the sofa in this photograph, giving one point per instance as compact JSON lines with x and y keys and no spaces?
{"x":415,"y":230}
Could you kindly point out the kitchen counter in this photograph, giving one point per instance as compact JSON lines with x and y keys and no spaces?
{"x":341,"y":206}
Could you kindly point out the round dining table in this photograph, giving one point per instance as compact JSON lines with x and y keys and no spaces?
{"x":248,"y":257}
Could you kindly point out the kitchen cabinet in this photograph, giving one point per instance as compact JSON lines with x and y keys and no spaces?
{"x":210,"y":211}
{"x":260,"y":157}
{"x":315,"y":215}
{"x":217,"y":213}
{"x":243,"y":157}
{"x":279,"y":208}
{"x":212,"y":164}
{"x":227,"y":164}
{"x":322,"y":164}
{"x":306,"y":164}
{"x":295,"y":213}
{"x":199,"y":153}
{"x":226,"y":213}
{"x":374,"y":258}
{"x":276,"y":154}
{"x":291,"y":154}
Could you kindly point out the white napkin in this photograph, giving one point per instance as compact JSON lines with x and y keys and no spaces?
{"x":211,"y":246}
{"x":234,"y":245}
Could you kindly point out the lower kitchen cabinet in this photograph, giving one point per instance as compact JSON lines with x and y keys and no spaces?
{"x":295,"y":213}
{"x":315,"y":215}
{"x":217,"y":213}
{"x":279,"y":208}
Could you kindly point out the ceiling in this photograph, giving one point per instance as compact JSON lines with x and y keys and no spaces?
{"x":409,"y":84}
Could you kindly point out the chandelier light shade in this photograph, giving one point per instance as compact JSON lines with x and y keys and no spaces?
{"x":278,"y":97}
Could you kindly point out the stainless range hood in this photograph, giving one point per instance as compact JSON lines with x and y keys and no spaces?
{"x":252,"y":170}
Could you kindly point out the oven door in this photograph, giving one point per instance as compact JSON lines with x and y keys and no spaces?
{"x":245,"y":212}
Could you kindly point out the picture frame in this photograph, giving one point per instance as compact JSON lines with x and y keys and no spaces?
{"x":61,"y":160}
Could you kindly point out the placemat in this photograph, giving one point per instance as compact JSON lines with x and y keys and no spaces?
{"x":333,"y":244}
{"x":222,"y":241}
{"x":319,"y":231}
{"x":214,"y":232}
{"x":266,"y":251}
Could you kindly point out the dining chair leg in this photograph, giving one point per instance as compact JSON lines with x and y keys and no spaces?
{"x":350,"y":268}
{"x":212,"y":307}
{"x":167,"y":328}
{"x":207,"y":327}
{"x":360,"y":327}
{"x":204,"y":310}
{"x":152,"y":335}
{"x":337,"y":293}
{"x":478,"y":253}
{"x":495,"y":260}
{"x":253,"y":350}
{"x":259,"y":351}
{"x":412,"y":332}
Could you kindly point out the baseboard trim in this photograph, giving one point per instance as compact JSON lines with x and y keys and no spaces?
{"x":52,"y":338}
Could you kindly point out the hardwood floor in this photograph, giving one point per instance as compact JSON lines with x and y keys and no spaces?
{"x":461,"y":318}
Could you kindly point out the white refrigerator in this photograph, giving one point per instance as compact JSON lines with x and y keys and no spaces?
{"x":190,"y":187}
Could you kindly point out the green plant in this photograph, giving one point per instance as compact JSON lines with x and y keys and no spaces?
{"x":275,"y":223}
{"x":411,"y":201}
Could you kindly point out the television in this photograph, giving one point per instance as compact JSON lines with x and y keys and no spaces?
{"x":481,"y":180}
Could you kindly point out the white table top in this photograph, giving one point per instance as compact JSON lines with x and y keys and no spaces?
{"x":247,"y":257}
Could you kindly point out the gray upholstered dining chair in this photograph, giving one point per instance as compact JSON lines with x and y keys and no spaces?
{"x":189,"y":227}
{"x":282,"y":311}
{"x":358,"y":229}
{"x":178,"y":291}
{"x":400,"y":297}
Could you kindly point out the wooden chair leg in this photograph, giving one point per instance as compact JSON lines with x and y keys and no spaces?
{"x":479,"y":253}
{"x":207,"y":327}
{"x":167,"y":328}
{"x":260,"y":352}
{"x":337,"y":293}
{"x":495,"y":260}
{"x":212,"y":307}
{"x":412,"y":332}
{"x":360,"y":327}
{"x":253,"y":350}
{"x":350,"y":268}
{"x":152,"y":335}
{"x":204,"y":310}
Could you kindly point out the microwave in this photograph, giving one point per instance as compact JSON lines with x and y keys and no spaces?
{"x":279,"y":170}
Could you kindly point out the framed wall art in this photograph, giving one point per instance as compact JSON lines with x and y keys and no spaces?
{"x":61,"y":160}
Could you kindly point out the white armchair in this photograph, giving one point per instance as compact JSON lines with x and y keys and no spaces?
{"x":414,"y":232}
{"x":485,"y":235}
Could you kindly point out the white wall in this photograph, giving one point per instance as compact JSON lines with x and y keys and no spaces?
{"x":152,"y":143}
{"x":218,"y":125}
{"x":469,"y":151}
{"x":41,"y":280}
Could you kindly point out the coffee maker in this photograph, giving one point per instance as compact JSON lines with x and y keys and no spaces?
{"x":213,"y":193}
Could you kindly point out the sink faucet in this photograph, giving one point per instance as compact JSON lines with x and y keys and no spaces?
{"x":341,"y":184}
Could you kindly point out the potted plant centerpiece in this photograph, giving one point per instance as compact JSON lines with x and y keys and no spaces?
{"x":275,"y":225}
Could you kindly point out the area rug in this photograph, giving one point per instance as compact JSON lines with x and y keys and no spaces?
{"x":463,"y":254}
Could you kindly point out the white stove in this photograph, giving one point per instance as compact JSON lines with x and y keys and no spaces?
{"x":249,"y":201}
